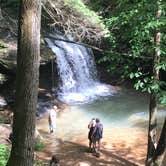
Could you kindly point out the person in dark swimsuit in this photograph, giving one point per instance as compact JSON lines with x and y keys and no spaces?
{"x":91,"y":127}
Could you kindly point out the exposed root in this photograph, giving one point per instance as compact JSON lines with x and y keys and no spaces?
{"x":62,"y":16}
{"x":72,"y":22}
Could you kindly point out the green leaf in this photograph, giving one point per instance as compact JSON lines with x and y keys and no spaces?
{"x":131,"y":75}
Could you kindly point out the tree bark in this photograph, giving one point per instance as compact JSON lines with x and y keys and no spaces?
{"x":161,"y":147}
{"x":152,"y":137}
{"x":27,"y":79}
{"x":152,"y":129}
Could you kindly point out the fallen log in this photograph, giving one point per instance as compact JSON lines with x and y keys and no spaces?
{"x":75,"y":42}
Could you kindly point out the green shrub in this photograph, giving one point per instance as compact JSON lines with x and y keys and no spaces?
{"x":80,"y":7}
{"x":4,"y":154}
{"x":39,"y":146}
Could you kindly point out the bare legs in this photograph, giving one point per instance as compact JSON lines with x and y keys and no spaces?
{"x":99,"y":144}
{"x":90,"y":144}
{"x":96,"y":145}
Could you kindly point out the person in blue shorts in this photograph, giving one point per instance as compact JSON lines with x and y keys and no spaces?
{"x":97,"y":134}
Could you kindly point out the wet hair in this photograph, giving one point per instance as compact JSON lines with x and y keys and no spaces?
{"x":97,"y":120}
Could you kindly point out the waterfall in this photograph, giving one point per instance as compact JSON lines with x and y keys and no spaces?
{"x":77,"y":71}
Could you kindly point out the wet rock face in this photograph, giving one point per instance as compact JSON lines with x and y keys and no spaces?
{"x":8,"y":53}
{"x":8,"y":41}
{"x":8,"y":60}
{"x":46,"y":101}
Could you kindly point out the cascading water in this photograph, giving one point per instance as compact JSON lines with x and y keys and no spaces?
{"x":77,"y":71}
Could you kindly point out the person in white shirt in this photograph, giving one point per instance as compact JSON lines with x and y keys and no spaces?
{"x":52,"y":119}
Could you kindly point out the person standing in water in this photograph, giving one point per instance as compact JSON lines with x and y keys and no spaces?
{"x":91,"y":126}
{"x":52,"y":119}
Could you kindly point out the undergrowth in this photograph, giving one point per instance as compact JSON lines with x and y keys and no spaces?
{"x":4,"y":154}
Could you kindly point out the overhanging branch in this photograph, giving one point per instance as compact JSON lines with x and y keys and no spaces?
{"x":74,"y":42}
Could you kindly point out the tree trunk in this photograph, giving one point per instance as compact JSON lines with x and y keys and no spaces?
{"x":152,"y":129}
{"x":22,"y":152}
{"x":161,"y":147}
{"x":152,"y":138}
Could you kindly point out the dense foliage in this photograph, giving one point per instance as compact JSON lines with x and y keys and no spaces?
{"x":131,"y":42}
{"x":80,"y":7}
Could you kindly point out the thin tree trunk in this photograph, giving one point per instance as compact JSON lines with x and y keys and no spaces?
{"x":161,"y":147}
{"x":152,"y":129}
{"x":152,"y":138}
{"x":22,"y":152}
